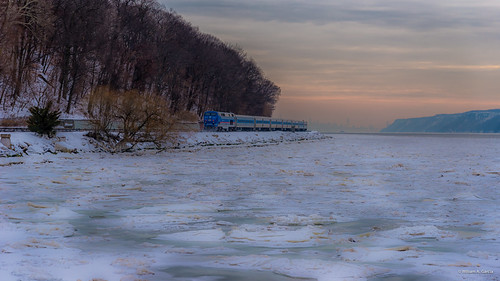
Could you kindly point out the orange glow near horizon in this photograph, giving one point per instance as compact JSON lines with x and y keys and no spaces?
{"x":347,"y":110}
{"x":365,"y":63}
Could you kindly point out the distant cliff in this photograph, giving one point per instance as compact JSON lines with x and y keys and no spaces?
{"x":477,"y":121}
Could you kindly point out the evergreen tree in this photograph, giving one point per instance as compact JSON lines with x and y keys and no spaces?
{"x":43,"y":120}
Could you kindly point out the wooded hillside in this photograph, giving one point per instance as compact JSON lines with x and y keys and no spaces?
{"x":63,"y":50}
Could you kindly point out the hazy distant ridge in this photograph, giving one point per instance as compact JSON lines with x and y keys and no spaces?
{"x":477,"y":121}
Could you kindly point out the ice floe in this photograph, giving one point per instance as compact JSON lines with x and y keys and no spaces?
{"x":349,"y":207}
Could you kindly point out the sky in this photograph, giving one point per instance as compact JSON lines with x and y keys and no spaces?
{"x":364,"y":63}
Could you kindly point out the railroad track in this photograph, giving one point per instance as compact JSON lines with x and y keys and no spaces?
{"x":67,"y":125}
{"x":83,"y":125}
{"x":13,"y":129}
{"x":24,"y":129}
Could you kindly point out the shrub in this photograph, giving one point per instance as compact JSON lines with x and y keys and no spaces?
{"x":43,"y":120}
{"x":124,"y":119}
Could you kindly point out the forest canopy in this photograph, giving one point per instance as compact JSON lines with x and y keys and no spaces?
{"x":60,"y":51}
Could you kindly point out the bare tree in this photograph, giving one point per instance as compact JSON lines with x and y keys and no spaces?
{"x":124,"y":119}
{"x":71,"y":50}
{"x":82,"y":29}
{"x":24,"y":27}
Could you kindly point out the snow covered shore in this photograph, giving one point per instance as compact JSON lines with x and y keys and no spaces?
{"x":25,"y":143}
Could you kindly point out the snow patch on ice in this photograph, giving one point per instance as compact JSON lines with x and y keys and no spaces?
{"x":420,"y":231}
{"x":379,"y":254}
{"x":51,"y":213}
{"x":54,"y":229}
{"x":204,"y":235}
{"x":322,"y":270}
{"x":292,"y":219}
{"x":277,"y":236}
{"x":10,"y":233}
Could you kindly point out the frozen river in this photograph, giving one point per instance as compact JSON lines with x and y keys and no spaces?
{"x":352,"y":207}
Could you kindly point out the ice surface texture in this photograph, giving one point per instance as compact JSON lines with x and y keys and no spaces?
{"x":352,"y":207}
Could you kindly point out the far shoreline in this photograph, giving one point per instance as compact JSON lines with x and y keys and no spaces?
{"x":437,"y":134}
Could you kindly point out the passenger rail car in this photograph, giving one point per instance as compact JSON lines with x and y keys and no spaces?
{"x":226,"y":121}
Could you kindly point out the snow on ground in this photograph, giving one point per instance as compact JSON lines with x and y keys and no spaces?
{"x":350,"y":207}
{"x":29,"y":143}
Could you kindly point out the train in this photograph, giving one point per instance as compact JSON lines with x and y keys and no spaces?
{"x":227,"y":121}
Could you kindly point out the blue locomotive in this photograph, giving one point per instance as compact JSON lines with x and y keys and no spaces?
{"x":226,"y":121}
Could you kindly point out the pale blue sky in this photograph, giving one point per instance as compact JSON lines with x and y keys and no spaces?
{"x":368,"y":62}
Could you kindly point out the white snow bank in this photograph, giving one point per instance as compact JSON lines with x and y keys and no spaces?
{"x":26,"y":143}
{"x":240,"y":138}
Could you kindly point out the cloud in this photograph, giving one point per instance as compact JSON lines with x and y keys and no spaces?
{"x":416,"y":15}
{"x":393,"y":53}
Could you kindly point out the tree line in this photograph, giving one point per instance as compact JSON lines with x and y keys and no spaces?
{"x":65,"y":51}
